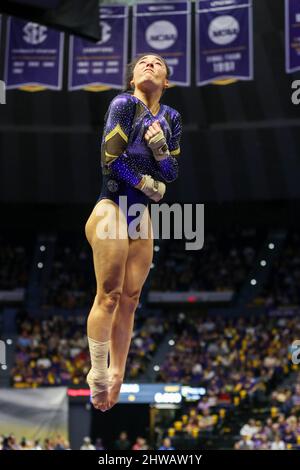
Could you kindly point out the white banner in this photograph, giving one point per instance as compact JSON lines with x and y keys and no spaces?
{"x":34,"y":413}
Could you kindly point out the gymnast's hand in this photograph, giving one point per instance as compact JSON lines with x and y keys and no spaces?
{"x":155,"y":190}
{"x":156,"y":140}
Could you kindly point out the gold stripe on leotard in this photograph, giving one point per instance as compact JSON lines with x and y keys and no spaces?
{"x":116,"y":130}
{"x":110,"y":157}
{"x":175,"y":152}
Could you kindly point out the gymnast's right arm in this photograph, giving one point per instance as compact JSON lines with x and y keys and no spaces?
{"x":114,"y":159}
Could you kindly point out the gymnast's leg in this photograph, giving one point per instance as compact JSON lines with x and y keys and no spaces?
{"x":109,"y":255}
{"x":137,"y":268}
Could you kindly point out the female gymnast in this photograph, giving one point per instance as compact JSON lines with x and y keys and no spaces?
{"x":139,"y":151}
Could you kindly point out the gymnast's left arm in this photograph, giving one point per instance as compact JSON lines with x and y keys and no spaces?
{"x":166,"y":154}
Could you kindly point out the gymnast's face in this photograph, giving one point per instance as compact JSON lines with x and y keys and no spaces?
{"x":150,"y":74}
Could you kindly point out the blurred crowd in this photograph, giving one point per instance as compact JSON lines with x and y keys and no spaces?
{"x":197,"y":422}
{"x":14,"y":264}
{"x":281,"y":429}
{"x":54,"y":351}
{"x":140,"y":443}
{"x":275,"y":433}
{"x":123,"y":442}
{"x":222,"y":264}
{"x":287,"y":397}
{"x":72,"y":281}
{"x":231,"y":358}
{"x":10,"y":442}
{"x":283,"y":285}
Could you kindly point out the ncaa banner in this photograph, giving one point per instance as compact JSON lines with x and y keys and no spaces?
{"x":165,"y":29}
{"x":34,"y":56}
{"x":224,"y":40}
{"x":101,"y":66}
{"x":292,"y":35}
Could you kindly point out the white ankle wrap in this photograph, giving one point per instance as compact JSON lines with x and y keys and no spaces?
{"x":97,"y":377}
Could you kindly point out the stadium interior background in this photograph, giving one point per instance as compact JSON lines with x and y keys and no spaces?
{"x":240,"y":158}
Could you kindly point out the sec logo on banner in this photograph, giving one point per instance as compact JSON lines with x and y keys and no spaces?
{"x":34,"y":33}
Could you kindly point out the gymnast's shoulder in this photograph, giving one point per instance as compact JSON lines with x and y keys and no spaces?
{"x":174,"y":118}
{"x":173,"y":113}
{"x":124,"y":101}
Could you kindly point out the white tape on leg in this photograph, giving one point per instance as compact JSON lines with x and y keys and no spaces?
{"x":97,"y":377}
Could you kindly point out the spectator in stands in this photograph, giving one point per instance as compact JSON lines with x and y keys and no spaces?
{"x":140,"y":444}
{"x":278,"y":443}
{"x":249,"y":429}
{"x":122,"y":443}
{"x":244,"y":444}
{"x":99,"y":444}
{"x":87,"y":444}
{"x":166,"y":444}
{"x":53,"y":351}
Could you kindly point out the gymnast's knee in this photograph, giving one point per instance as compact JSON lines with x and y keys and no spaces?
{"x":130,"y":299}
{"x":108,"y":301}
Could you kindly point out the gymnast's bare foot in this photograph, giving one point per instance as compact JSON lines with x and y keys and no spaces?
{"x":115,"y":381}
{"x":99,"y":392}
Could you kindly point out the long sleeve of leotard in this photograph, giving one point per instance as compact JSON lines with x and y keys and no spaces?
{"x":114,"y":159}
{"x":168,"y":167}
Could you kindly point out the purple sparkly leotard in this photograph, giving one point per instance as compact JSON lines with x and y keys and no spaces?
{"x":125,"y":156}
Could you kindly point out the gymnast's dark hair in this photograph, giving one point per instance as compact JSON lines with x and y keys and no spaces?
{"x":130,"y":69}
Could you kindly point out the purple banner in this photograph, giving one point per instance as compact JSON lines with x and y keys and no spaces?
{"x":34,"y":56}
{"x":165,"y":29}
{"x":224,"y":40}
{"x":292,"y":35}
{"x":100,"y":66}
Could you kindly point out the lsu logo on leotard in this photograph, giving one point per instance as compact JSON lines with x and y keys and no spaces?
{"x":112,"y":186}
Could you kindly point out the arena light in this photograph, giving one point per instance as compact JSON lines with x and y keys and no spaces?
{"x":131,"y":398}
{"x":263,"y":262}
{"x":192,"y":393}
{"x":185,"y":390}
{"x":172,"y":388}
{"x":130,"y":388}
{"x":271,"y":246}
{"x":167,"y":398}
{"x":253,"y":282}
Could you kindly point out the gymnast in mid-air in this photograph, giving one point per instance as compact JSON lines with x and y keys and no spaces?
{"x":139,"y":152}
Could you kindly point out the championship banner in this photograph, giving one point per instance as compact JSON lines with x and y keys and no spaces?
{"x":34,"y":56}
{"x":292,"y":35}
{"x":35,"y":413}
{"x":224,"y":41}
{"x":101,"y":66}
{"x":165,"y":29}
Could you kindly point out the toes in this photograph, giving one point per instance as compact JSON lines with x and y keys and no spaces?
{"x":100,"y":407}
